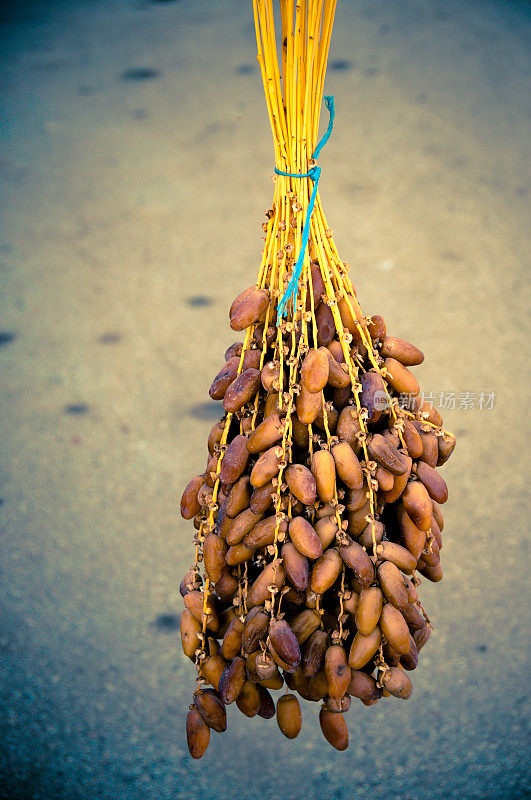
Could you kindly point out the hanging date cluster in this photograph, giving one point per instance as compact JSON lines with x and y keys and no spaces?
{"x":317,"y":515}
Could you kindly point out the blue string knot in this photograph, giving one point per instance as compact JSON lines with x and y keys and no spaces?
{"x":313,"y":174}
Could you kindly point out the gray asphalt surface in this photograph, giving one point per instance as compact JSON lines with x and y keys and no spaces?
{"x":135,"y":170}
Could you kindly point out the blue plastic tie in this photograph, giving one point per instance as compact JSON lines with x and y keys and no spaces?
{"x":314,"y":174}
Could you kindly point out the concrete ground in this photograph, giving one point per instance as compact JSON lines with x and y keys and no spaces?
{"x":134,"y":172}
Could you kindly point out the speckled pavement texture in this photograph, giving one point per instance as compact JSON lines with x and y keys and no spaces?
{"x":135,"y":168}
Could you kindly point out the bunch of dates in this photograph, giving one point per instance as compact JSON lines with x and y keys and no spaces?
{"x":317,"y":513}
